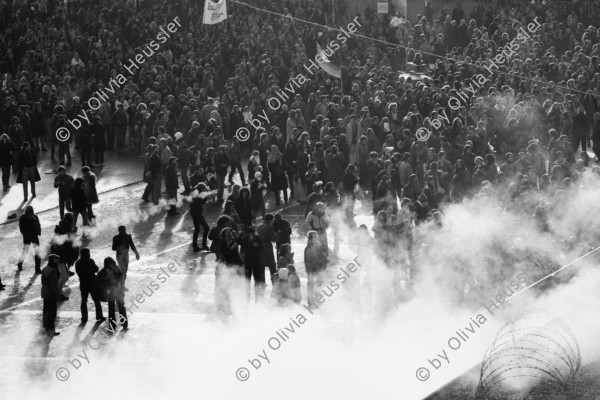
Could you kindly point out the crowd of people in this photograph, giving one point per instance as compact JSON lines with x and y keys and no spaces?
{"x":406,"y":146}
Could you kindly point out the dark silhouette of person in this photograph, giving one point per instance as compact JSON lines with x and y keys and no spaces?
{"x":110,"y":285}
{"x":50,"y":294}
{"x":86,"y":269}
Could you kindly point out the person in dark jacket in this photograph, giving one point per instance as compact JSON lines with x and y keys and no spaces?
{"x":50,"y":294}
{"x":98,"y":135}
{"x":121,"y":244}
{"x":27,"y":167}
{"x":29,"y":225}
{"x":252,"y":247}
{"x":155,"y":172}
{"x":79,"y":203}
{"x":109,"y":282}
{"x":64,"y":182}
{"x":172,"y":185}
{"x":243,"y":207}
{"x":268,"y":236}
{"x":197,"y":206}
{"x":256,"y":194}
{"x":276,"y":166}
{"x":86,"y":269}
{"x":6,"y":159}
{"x":283,"y":230}
{"x":236,"y":161}
{"x":315,"y":261}
{"x":228,"y":270}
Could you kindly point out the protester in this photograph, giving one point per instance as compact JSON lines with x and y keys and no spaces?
{"x":109,"y":282}
{"x":29,"y":225}
{"x":50,"y":294}
{"x":86,"y":269}
{"x":121,"y":244}
{"x":27,"y":167}
{"x":64,"y":182}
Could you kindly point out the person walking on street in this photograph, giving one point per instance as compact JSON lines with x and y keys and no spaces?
{"x":197,"y":206}
{"x":221,"y":161}
{"x":29,"y":225}
{"x":252,"y":247}
{"x":6,"y":159}
{"x":89,"y":187}
{"x":27,"y":167}
{"x":268,"y":236}
{"x":79,"y":203}
{"x":121,"y":244}
{"x":50,"y":294}
{"x":172,"y":185}
{"x":315,"y":263}
{"x":86,"y":269}
{"x":64,"y":182}
{"x":109,"y":282}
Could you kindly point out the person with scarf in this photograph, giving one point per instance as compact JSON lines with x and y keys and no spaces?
{"x":276,"y":167}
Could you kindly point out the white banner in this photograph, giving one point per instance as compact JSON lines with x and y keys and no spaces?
{"x":215,"y":12}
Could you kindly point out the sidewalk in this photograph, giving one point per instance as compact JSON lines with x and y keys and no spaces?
{"x":119,"y":170}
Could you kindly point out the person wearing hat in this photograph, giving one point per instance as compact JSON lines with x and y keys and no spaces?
{"x":50,"y":294}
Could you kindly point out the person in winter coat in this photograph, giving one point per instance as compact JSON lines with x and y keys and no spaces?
{"x":79,"y":202}
{"x":315,"y":261}
{"x":6,"y":159}
{"x":98,"y":135}
{"x":89,"y":187}
{"x":155,"y":173}
{"x":285,"y":256}
{"x":318,"y":221}
{"x":221,"y":161}
{"x":287,"y":289}
{"x":109,"y":283}
{"x":256,"y":194}
{"x":27,"y":168}
{"x":172,"y":185}
{"x":461,"y":181}
{"x":252,"y":247}
{"x":30,"y":228}
{"x":197,"y":206}
{"x":64,"y":182}
{"x":334,"y":167}
{"x":268,"y":236}
{"x":228,"y":270}
{"x":283,"y":230}
{"x":350,"y":186}
{"x":243,"y":207}
{"x":86,"y":269}
{"x":276,"y":166}
{"x":318,"y":195}
{"x":50,"y":294}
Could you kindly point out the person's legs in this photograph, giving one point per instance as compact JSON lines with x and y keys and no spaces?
{"x":259,"y":281}
{"x":205,"y":229}
{"x":25,"y":180}
{"x":32,"y":180}
{"x":84,"y":296}
{"x":23,"y":254}
{"x":123,"y":312}
{"x":97,"y":305}
{"x":185,"y":180}
{"x":221,"y":187}
{"x":112,"y":320}
{"x":61,"y":205}
{"x":156,"y":190}
{"x":49,"y":312}
{"x":123,"y":263}
{"x":36,"y":256}
{"x":310,"y":289}
{"x":148,"y":191}
{"x":196,"y":221}
{"x":5,"y":176}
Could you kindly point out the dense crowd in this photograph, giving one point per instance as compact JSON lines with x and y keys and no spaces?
{"x":406,"y":146}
